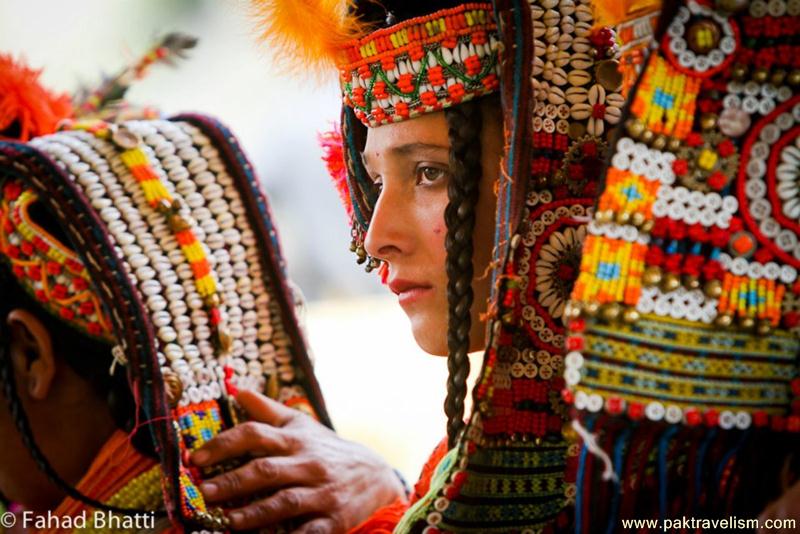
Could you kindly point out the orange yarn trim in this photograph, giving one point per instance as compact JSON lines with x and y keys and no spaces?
{"x":117,"y":463}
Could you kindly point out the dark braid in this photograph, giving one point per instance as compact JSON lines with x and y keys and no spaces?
{"x":464,"y":123}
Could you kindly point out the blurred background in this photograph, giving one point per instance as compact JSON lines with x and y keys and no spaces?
{"x":381,"y":389}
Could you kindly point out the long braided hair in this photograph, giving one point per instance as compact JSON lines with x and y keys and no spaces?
{"x":89,"y":358}
{"x":464,"y":124}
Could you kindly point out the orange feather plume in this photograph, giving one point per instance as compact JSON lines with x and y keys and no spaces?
{"x":310,"y":34}
{"x":27,"y":109}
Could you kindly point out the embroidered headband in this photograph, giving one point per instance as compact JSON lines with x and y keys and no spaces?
{"x":422,"y":65}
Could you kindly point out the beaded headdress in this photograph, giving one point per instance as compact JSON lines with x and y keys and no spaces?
{"x":561,"y":75}
{"x":685,"y":319}
{"x":171,"y":256}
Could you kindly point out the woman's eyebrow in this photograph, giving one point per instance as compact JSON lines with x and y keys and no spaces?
{"x":408,"y":148}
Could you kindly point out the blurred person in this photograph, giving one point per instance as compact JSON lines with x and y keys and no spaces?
{"x":469,"y":180}
{"x":141,"y":288}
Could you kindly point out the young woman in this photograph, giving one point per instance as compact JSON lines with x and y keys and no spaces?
{"x":474,"y":207}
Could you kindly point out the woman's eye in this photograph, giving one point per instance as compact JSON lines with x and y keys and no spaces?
{"x":430,"y":174}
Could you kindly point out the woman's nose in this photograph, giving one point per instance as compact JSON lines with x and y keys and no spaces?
{"x":386,"y":237}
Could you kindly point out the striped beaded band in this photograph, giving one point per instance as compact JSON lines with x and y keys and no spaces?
{"x":422,"y":65}
{"x":198,"y":307}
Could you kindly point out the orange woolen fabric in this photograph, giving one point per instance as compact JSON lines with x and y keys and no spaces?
{"x":385,"y":519}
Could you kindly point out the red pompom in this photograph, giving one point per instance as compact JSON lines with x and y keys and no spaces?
{"x":27,"y":109}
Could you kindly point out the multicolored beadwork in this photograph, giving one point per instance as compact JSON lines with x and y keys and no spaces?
{"x":52,"y":273}
{"x":696,"y":322}
{"x":421,"y":65}
{"x":517,"y":452}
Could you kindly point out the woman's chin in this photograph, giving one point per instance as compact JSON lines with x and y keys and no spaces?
{"x":430,"y":338}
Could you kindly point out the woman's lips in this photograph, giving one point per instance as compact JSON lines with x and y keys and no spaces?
{"x":412,"y":295}
{"x":408,"y":292}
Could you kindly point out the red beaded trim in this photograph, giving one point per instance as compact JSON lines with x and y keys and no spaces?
{"x":51,"y":273}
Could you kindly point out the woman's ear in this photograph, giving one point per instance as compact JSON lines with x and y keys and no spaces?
{"x":31,"y":352}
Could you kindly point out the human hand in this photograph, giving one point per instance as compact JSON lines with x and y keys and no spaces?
{"x":312,"y":474}
{"x":787,"y":507}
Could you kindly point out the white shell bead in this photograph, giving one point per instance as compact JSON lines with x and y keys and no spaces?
{"x":167,"y":334}
{"x":178,"y":307}
{"x":150,"y":287}
{"x":219,"y":206}
{"x":205,"y":178}
{"x":185,"y":336}
{"x":226,"y":220}
{"x":197,"y":165}
{"x":186,"y":187}
{"x":156,"y":303}
{"x":175,"y":292}
{"x":168,"y":278}
{"x":195,"y":200}
{"x":145,"y":273}
{"x":215,"y":241}
{"x":212,"y":192}
{"x":161,"y":318}
{"x":182,"y":322}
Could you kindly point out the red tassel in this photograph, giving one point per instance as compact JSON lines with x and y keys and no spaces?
{"x":333,"y":148}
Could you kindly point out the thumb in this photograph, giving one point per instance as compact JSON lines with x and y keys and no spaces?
{"x":262,"y":409}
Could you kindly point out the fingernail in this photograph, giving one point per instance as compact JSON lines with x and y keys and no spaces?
{"x":235,"y":517}
{"x":209,"y":489}
{"x":200,"y":457}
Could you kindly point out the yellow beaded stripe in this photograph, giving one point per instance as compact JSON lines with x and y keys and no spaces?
{"x":743,"y":296}
{"x":644,"y":386}
{"x":611,"y":271}
{"x":629,"y":361}
{"x":142,"y":493}
{"x":525,"y":485}
{"x":665,"y":100}
{"x":628,"y":193}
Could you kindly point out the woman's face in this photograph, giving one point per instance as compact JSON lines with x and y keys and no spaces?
{"x":410,"y":160}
